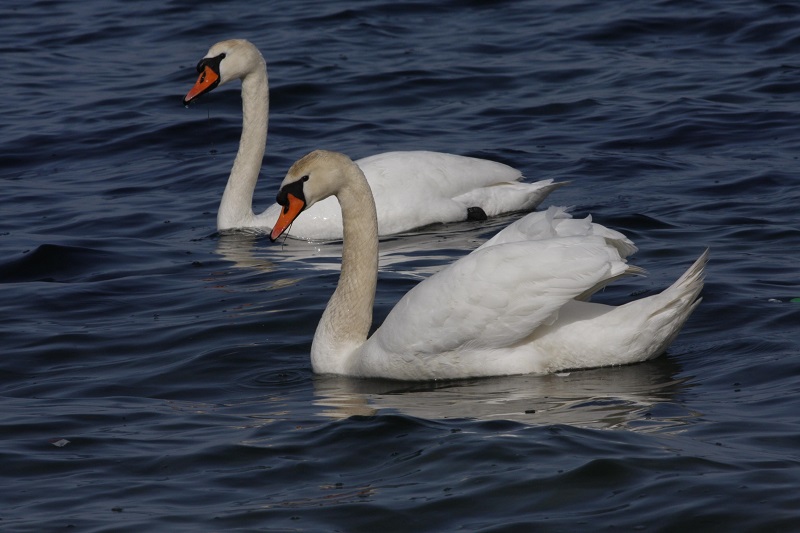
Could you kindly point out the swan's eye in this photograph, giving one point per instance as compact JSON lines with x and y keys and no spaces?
{"x":304,"y":178}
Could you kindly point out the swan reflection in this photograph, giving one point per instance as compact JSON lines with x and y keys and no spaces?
{"x":416,"y":255}
{"x":629,"y":397}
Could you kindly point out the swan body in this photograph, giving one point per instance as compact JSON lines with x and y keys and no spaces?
{"x":411,"y":189}
{"x":517,"y":305}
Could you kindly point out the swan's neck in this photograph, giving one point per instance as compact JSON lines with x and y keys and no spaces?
{"x":236,"y":208}
{"x":345,"y":324}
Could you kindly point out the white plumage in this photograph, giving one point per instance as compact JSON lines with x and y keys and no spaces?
{"x":516,"y":305}
{"x":411,"y":189}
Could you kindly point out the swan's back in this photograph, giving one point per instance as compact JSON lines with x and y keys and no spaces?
{"x":435,"y":173}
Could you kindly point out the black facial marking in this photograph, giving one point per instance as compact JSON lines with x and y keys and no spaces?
{"x":212,"y":62}
{"x":295,"y":189}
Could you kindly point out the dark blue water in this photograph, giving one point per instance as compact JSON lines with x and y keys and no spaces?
{"x":155,"y":375}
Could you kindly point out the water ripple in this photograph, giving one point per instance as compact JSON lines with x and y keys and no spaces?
{"x":156,"y":373}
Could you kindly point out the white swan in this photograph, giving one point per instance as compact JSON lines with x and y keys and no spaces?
{"x":411,"y":189}
{"x":512,"y":307}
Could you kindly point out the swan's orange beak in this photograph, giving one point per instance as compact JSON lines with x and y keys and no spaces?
{"x":287,"y":216}
{"x":207,"y":80}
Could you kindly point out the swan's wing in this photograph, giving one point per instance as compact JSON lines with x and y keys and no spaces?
{"x":437,"y":173}
{"x":570,"y":227}
{"x":557,"y":222}
{"x":496,"y":297}
{"x":532,"y":227}
{"x":414,"y":189}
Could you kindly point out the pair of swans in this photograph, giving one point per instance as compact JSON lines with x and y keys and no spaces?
{"x":411,"y":189}
{"x":516,"y":305}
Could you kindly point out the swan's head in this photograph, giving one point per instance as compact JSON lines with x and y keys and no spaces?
{"x":311,"y":179}
{"x":225,"y":61}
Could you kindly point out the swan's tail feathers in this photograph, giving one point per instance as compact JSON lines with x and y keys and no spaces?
{"x":540,"y":190}
{"x":684,"y":292}
{"x":672,"y":307}
{"x":509,"y":197}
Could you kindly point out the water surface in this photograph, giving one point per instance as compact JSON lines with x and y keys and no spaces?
{"x":155,"y":374}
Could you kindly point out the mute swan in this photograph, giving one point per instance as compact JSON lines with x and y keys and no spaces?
{"x":412,"y":189}
{"x":512,"y":307}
